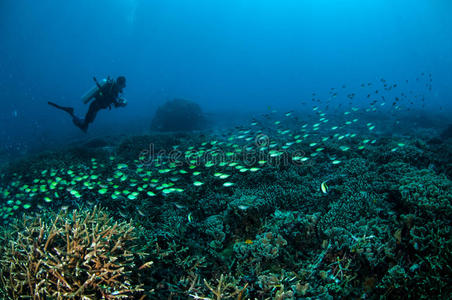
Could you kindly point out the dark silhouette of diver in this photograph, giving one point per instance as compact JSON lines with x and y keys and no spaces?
{"x":107,"y":93}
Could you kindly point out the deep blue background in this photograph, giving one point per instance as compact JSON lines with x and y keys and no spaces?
{"x":229,"y":56}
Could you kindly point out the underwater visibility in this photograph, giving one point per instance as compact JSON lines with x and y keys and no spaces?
{"x":297,"y":149}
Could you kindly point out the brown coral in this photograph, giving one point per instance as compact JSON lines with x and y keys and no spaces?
{"x":78,"y":255}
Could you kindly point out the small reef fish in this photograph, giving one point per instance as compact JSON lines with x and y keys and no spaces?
{"x":324,"y":187}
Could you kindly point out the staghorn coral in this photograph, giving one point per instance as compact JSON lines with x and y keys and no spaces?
{"x":78,"y":255}
{"x":226,"y":287}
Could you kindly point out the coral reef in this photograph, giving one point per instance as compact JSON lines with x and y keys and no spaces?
{"x":178,"y":115}
{"x":77,"y":255}
{"x":275,"y":210}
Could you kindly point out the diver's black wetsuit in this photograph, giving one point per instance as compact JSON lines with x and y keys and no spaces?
{"x":106,"y":96}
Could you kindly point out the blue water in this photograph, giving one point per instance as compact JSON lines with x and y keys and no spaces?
{"x":229,"y":56}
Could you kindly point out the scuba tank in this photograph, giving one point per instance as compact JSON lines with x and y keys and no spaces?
{"x":91,"y":92}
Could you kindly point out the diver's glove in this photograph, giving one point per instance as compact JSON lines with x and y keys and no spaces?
{"x":120,"y":102}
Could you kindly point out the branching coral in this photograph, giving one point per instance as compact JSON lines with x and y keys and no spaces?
{"x":227,"y":287}
{"x":81,"y":255}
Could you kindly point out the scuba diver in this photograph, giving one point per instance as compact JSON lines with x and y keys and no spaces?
{"x":104,"y":94}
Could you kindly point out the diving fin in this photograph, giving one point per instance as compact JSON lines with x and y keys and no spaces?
{"x":69,"y":110}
